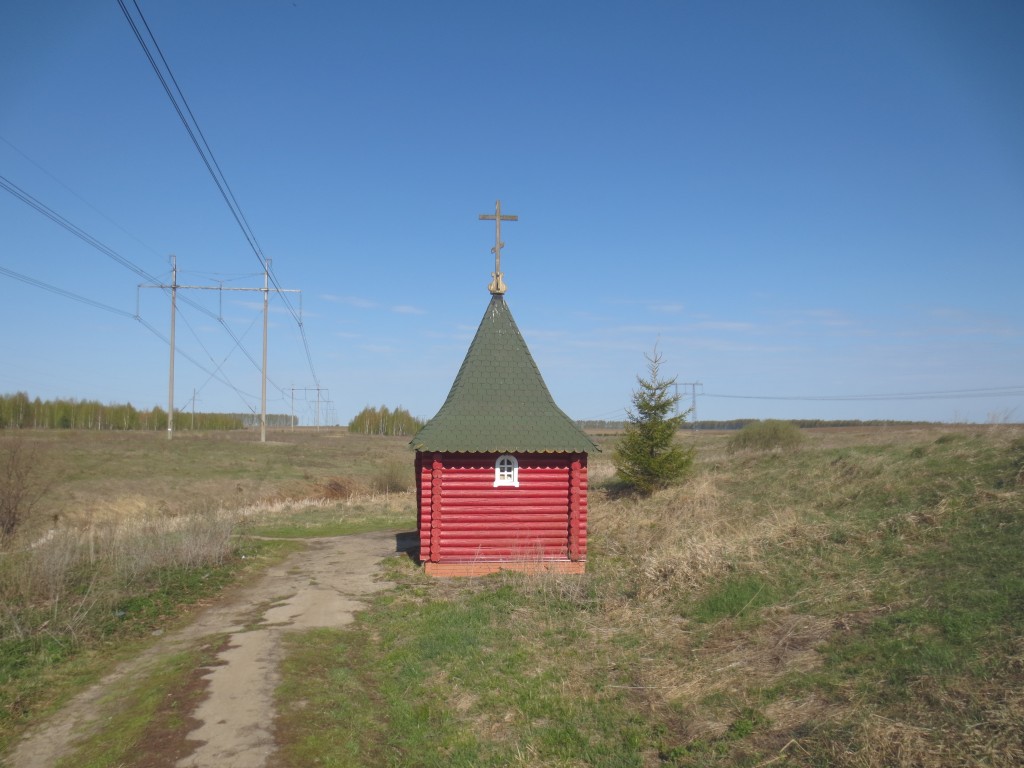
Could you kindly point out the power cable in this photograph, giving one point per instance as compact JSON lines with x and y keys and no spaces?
{"x":78,"y":232}
{"x":949,"y":394}
{"x":73,"y":192}
{"x":242,"y":395}
{"x":238,"y":345}
{"x":211,"y":375}
{"x":193,"y":129}
{"x":123,"y":313}
{"x":952,"y":394}
{"x":51,"y":214}
{"x":615,"y":415}
{"x":62,"y":292}
{"x":209,"y":160}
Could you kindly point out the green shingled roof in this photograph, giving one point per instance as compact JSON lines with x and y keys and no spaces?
{"x":499,"y":402}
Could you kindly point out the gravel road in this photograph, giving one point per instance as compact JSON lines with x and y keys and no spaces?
{"x":321,"y":586}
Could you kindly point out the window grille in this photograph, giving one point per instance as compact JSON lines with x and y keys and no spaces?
{"x":506,"y":471}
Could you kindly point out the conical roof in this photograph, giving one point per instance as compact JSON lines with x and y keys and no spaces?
{"x":499,"y":402}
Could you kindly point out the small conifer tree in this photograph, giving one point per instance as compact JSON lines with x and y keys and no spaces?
{"x":647,"y":458}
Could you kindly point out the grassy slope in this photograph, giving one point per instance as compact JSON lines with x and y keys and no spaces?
{"x":64,"y":619}
{"x":98,"y":476}
{"x":859,"y":602}
{"x":47,"y":656}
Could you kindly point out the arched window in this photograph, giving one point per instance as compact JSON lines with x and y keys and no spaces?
{"x":506,"y":471}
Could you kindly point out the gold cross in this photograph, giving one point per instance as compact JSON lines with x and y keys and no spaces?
{"x":497,"y":286}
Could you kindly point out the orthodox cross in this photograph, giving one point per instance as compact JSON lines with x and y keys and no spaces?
{"x":497,"y":286}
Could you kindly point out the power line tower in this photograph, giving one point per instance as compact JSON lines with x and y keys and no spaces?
{"x":693,"y":397}
{"x":318,"y":390}
{"x":175,"y":287}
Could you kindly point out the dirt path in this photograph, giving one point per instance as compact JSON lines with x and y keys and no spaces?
{"x":321,"y":586}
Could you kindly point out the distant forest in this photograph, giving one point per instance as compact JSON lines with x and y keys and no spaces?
{"x":19,"y":411}
{"x":384,"y":421}
{"x":596,"y":425}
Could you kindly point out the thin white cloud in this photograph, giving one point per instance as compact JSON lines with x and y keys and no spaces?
{"x":603,"y":344}
{"x":643,"y":329}
{"x":947,"y":313}
{"x":362,"y":303}
{"x":352,"y":301}
{"x":958,"y":322}
{"x":258,"y":307}
{"x":672,"y":308}
{"x":460,"y":335}
{"x":661,"y":307}
{"x":724,"y":325}
{"x":543,"y":334}
{"x":828,"y":317}
{"x":717,"y":345}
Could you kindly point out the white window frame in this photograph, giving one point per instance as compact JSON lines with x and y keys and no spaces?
{"x":506,"y":471}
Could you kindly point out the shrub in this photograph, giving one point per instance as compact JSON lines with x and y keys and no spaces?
{"x":341,"y":488}
{"x":20,"y":484}
{"x":393,"y":477}
{"x":770,"y":435}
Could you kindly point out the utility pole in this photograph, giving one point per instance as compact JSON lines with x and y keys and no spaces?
{"x":170,"y":375}
{"x":266,"y":303}
{"x":263,"y":391}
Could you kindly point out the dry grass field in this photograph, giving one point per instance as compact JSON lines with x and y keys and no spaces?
{"x":857,"y":601}
{"x":102,"y":476}
{"x":130,"y":531}
{"x":854,"y":601}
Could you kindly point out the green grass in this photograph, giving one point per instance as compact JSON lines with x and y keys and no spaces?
{"x":859,"y":602}
{"x":433,"y":684}
{"x":964,"y":606}
{"x":856,"y":603}
{"x":339,"y":519}
{"x":129,"y":712}
{"x":42,"y":670}
{"x":75,"y":620}
{"x":735,"y":596}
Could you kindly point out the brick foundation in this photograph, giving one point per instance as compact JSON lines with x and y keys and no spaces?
{"x":484,"y":569}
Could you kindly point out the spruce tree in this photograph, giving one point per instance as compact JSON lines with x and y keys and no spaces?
{"x":647,"y":458}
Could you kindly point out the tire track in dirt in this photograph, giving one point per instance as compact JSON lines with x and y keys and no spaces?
{"x":321,"y":586}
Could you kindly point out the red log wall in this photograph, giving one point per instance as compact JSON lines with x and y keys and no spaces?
{"x":464,"y":518}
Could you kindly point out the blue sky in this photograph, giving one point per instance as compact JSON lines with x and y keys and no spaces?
{"x":797,"y":202}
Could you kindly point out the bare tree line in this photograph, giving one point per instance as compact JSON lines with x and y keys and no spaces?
{"x":19,"y":411}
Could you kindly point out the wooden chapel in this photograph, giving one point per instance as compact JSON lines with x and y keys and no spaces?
{"x":501,"y":469}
